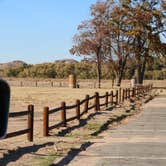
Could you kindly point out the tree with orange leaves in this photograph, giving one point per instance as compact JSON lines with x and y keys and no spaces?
{"x":147,"y":21}
{"x":119,"y":30}
{"x":89,"y":40}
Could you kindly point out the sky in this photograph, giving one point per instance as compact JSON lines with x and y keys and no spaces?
{"x":37,"y":31}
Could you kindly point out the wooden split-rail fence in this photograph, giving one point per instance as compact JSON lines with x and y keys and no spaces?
{"x":30,"y":123}
{"x":109,"y":99}
{"x":82,"y":107}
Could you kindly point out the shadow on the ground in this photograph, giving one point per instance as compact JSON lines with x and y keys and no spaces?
{"x":72,"y":154}
{"x":107,"y":123}
{"x":82,"y":123}
{"x":14,"y":155}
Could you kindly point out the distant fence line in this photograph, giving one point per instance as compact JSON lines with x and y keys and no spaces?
{"x":82,"y":83}
{"x":82,"y":107}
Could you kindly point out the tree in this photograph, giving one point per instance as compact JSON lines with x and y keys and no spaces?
{"x":118,"y":41}
{"x":89,"y":41}
{"x":147,"y":21}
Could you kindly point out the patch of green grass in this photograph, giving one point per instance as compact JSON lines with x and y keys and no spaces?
{"x":94,"y":126}
{"x":82,"y":135}
{"x":45,"y":160}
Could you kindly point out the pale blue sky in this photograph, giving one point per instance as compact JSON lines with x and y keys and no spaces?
{"x":37,"y":31}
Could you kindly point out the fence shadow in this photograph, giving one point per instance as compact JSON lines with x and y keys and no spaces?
{"x":82,"y":123}
{"x":14,"y":155}
{"x":72,"y":154}
{"x":105,"y":125}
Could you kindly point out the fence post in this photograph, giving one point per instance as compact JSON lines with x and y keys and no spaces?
{"x":116,"y":97}
{"x":96,"y":102}
{"x":126,"y":93}
{"x":36,"y":83}
{"x":30,"y":122}
{"x":86,"y":103}
{"x":45,"y":121}
{"x":120,"y":96}
{"x":111,"y":97}
{"x":136,"y":91}
{"x":129,"y":92}
{"x":106,"y":99}
{"x":52,"y":84}
{"x":78,"y":109}
{"x":63,"y":113}
{"x":21,"y":83}
{"x":123,"y":95}
{"x":133,"y":92}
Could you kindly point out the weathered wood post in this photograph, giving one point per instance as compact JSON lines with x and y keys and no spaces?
{"x":86,"y":103}
{"x":111,"y":98}
{"x":129,"y":93}
{"x":126,"y":93}
{"x":45,"y":121}
{"x":106,"y":99}
{"x":36,"y":83}
{"x":72,"y":81}
{"x":123,"y":95}
{"x":120,"y":95}
{"x":30,"y":122}
{"x":133,"y":92}
{"x":78,"y":109}
{"x":96,"y":102}
{"x":116,"y":97}
{"x":52,"y":84}
{"x":63,"y":113}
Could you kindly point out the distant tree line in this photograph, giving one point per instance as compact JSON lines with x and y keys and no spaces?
{"x":83,"y":70}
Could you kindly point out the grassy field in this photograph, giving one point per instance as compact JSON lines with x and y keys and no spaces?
{"x":21,"y":97}
{"x":45,"y":95}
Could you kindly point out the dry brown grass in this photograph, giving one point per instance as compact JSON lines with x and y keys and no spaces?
{"x":52,"y":97}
